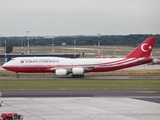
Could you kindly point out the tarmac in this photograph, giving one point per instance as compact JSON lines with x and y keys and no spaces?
{"x":82,"y":108}
{"x":83,"y":104}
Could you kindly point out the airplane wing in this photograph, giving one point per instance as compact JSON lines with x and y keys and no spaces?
{"x":78,"y":70}
{"x":86,"y":68}
{"x":89,"y":67}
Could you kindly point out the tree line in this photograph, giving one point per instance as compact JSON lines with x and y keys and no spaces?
{"x":105,"y":40}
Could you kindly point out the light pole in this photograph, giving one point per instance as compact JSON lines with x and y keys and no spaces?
{"x":5,"y":54}
{"x":62,"y":47}
{"x":28,"y":41}
{"x":74,"y":47}
{"x":53,"y":45}
{"x":22,"y":47}
{"x":1,"y":43}
{"x":99,"y":52}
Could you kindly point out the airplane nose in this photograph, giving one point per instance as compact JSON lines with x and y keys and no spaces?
{"x":4,"y":65}
{"x":7,"y":66}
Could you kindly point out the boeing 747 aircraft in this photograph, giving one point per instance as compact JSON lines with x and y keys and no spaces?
{"x":65,"y":66}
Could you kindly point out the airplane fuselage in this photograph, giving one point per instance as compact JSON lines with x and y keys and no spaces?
{"x":50,"y":64}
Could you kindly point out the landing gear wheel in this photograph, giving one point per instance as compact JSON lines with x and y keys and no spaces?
{"x":17,"y":76}
{"x":82,"y":76}
{"x":77,"y":76}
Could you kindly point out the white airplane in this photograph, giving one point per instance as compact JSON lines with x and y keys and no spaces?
{"x":155,"y":62}
{"x":64,"y":66}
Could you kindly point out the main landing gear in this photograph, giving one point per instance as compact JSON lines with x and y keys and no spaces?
{"x":78,"y":76}
{"x":17,"y":75}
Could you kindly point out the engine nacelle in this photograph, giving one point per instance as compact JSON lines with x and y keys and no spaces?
{"x":61,"y":72}
{"x":77,"y":71}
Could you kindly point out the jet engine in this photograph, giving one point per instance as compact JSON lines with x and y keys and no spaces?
{"x":61,"y":72}
{"x":77,"y":71}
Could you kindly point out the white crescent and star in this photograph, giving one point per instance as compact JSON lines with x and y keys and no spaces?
{"x":143,"y":49}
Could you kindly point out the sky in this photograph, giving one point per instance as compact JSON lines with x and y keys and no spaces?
{"x":79,"y":17}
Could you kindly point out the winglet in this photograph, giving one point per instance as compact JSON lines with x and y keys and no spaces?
{"x":144,"y":49}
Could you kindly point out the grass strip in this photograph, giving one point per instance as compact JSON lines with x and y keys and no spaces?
{"x":137,"y":72}
{"x":78,"y":84}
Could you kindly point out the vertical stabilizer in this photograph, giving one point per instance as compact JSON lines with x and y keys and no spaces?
{"x":144,"y":49}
